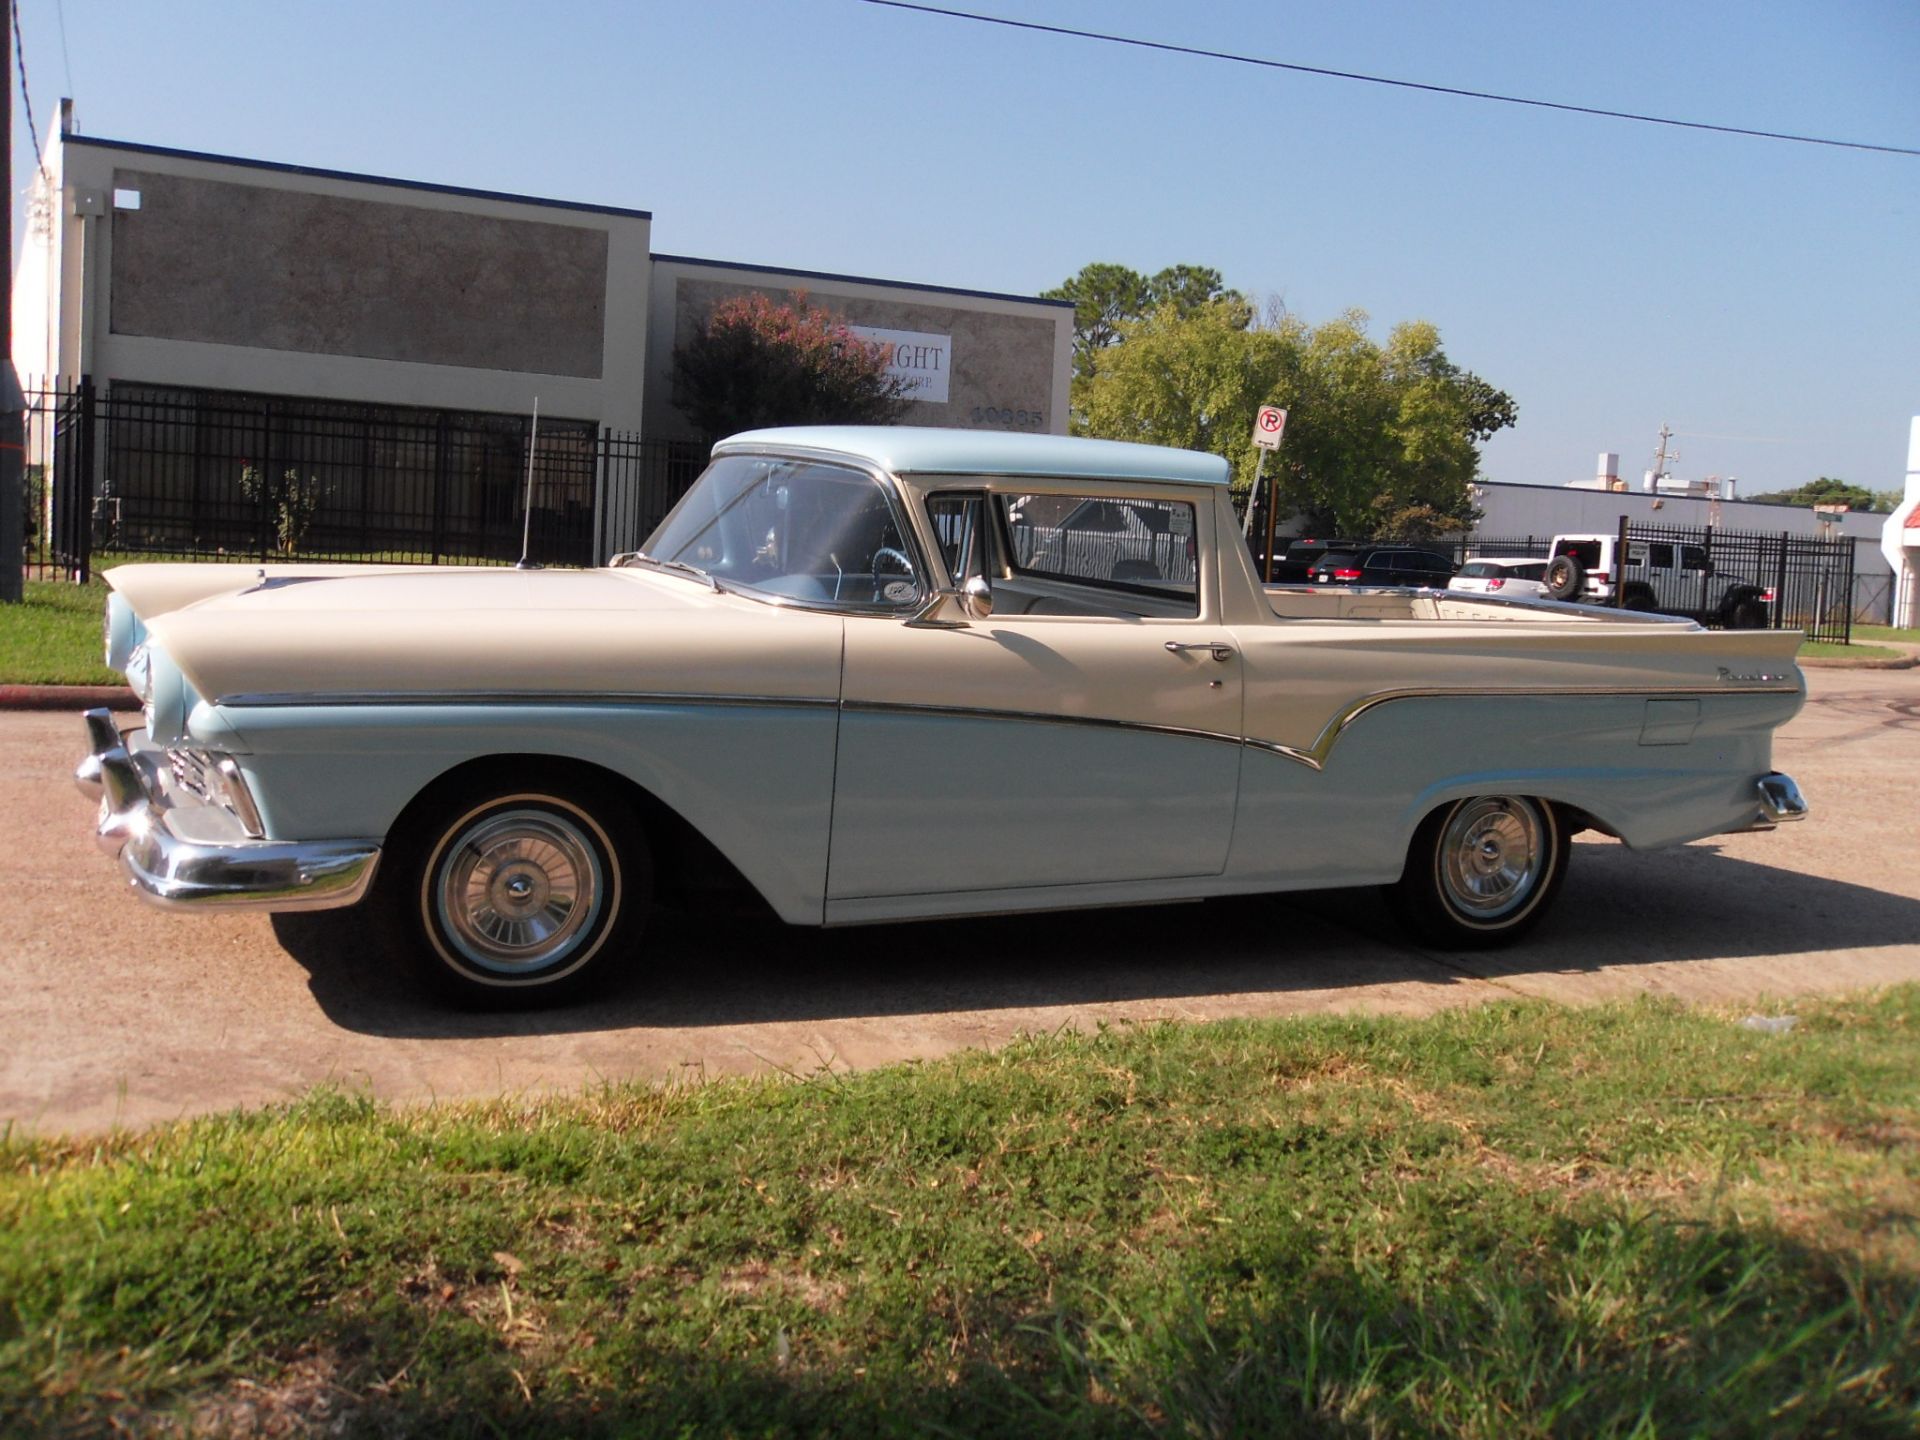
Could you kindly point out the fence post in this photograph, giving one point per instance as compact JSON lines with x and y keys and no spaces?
{"x":1620,"y":566}
{"x":1780,"y":586}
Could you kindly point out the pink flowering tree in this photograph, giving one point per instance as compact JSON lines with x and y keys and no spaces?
{"x":760,"y":362}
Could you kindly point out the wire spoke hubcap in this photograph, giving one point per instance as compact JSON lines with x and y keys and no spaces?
{"x":517,"y":889}
{"x":1491,"y":856}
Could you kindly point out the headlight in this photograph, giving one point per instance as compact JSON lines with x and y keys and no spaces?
{"x":139,"y":672}
{"x":169,"y":698}
{"x":124,"y":631}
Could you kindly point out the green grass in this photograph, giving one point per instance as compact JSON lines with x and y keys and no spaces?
{"x":1887,"y":632}
{"x":1517,"y":1220}
{"x":1832,"y":650}
{"x":53,"y":636}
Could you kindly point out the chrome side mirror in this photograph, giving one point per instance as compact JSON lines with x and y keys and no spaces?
{"x":976,"y":598}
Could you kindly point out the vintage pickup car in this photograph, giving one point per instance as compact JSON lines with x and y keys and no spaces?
{"x":886,"y":674}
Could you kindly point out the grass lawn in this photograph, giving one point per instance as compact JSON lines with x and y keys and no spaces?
{"x":1515,"y":1220}
{"x":1886,"y":632}
{"x":53,"y":637}
{"x":1828,"y":650}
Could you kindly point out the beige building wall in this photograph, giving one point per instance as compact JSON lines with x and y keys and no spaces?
{"x":1009,"y":357}
{"x":235,"y":276}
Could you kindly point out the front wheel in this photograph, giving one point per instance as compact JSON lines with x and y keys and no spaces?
{"x":1482,"y":871}
{"x":514,"y":895}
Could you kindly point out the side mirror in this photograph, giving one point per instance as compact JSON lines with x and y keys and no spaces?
{"x":976,"y":598}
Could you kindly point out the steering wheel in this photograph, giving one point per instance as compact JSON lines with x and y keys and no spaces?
{"x":899,"y":557}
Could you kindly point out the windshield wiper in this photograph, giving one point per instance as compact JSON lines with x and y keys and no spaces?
{"x":640,"y":557}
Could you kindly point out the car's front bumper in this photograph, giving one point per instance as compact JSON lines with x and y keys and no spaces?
{"x":182,"y":853}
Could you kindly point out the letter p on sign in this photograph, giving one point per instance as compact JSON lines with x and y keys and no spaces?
{"x":1268,"y":429}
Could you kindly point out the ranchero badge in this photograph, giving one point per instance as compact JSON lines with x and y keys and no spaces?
{"x":1727,"y":677}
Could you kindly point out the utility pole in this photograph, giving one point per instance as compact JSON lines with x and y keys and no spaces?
{"x":1660,"y":458}
{"x":13,"y":405}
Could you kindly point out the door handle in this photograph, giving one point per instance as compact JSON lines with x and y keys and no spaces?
{"x":1219,"y":649}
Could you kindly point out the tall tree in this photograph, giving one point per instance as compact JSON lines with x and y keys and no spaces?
{"x":756,"y":361}
{"x":1381,"y":440}
{"x":1108,"y":297}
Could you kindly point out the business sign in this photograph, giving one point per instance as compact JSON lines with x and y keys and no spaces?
{"x":923,"y":361}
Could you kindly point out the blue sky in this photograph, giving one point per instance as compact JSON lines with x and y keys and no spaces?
{"x":1762,"y":298}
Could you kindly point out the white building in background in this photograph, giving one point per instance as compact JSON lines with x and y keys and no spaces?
{"x":1518,"y":513}
{"x":1900,"y":539}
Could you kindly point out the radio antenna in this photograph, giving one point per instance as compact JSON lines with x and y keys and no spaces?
{"x":526,"y":525}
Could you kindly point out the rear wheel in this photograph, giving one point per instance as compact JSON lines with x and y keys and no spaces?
{"x":1747,"y":615}
{"x":518,"y":894}
{"x":1481,"y":871}
{"x":1638,"y":597}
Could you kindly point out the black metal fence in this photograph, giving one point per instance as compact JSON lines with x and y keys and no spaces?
{"x":1804,"y":582}
{"x":150,"y":471}
{"x":1798,"y":582}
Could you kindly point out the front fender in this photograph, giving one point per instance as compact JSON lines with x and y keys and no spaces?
{"x":755,"y":779}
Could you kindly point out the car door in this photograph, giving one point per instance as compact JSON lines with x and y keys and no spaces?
{"x":1085,"y":733}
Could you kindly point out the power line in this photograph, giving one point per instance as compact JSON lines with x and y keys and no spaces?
{"x":1265,"y":64}
{"x":26,"y":100}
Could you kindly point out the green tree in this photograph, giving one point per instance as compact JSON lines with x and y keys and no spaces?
{"x":758,"y":362}
{"x":1194,"y":380}
{"x":1108,"y":297}
{"x":1825,"y":491}
{"x":1382,"y":440}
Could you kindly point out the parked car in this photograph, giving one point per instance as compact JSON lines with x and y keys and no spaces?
{"x":854,"y":674}
{"x":1293,"y":560}
{"x":1494,"y":575}
{"x":1382,"y":565}
{"x":1665,"y":577}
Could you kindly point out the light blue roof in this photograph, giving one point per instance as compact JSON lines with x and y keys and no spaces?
{"x":926,"y":450}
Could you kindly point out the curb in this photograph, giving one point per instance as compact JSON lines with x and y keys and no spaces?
{"x":67,"y":697}
{"x":1840,"y":662}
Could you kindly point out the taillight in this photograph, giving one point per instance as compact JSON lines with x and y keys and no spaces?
{"x":1600,"y":576}
{"x":1766,"y":596}
{"x":1346,"y":574}
{"x":1496,"y":582}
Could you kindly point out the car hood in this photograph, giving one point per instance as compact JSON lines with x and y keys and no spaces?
{"x":417,"y":633}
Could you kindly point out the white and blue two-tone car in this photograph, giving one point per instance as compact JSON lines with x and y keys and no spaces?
{"x":886,"y":674}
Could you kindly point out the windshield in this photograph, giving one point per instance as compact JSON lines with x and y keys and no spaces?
{"x":794,"y":528}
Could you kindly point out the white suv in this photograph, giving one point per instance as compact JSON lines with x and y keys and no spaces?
{"x":1668,"y":576}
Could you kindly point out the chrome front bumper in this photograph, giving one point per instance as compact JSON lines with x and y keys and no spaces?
{"x":184,"y":854}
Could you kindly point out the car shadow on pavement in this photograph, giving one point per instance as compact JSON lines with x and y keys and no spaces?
{"x":1618,"y":909}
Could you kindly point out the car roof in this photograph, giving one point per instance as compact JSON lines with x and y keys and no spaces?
{"x":1505,"y":560}
{"x":926,"y":449}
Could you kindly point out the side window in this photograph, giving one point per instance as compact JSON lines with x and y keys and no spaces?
{"x":1660,"y":555}
{"x":1692,"y":557}
{"x":1146,"y":546}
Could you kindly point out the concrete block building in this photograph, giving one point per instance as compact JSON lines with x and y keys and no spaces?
{"x":415,"y":326}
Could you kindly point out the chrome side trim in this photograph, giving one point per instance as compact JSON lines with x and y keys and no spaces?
{"x":1036,"y":717}
{"x":1313,"y":756}
{"x":275,"y":699}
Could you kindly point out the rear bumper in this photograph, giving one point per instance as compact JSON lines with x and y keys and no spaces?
{"x":184,"y":854}
{"x":1780,"y":803}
